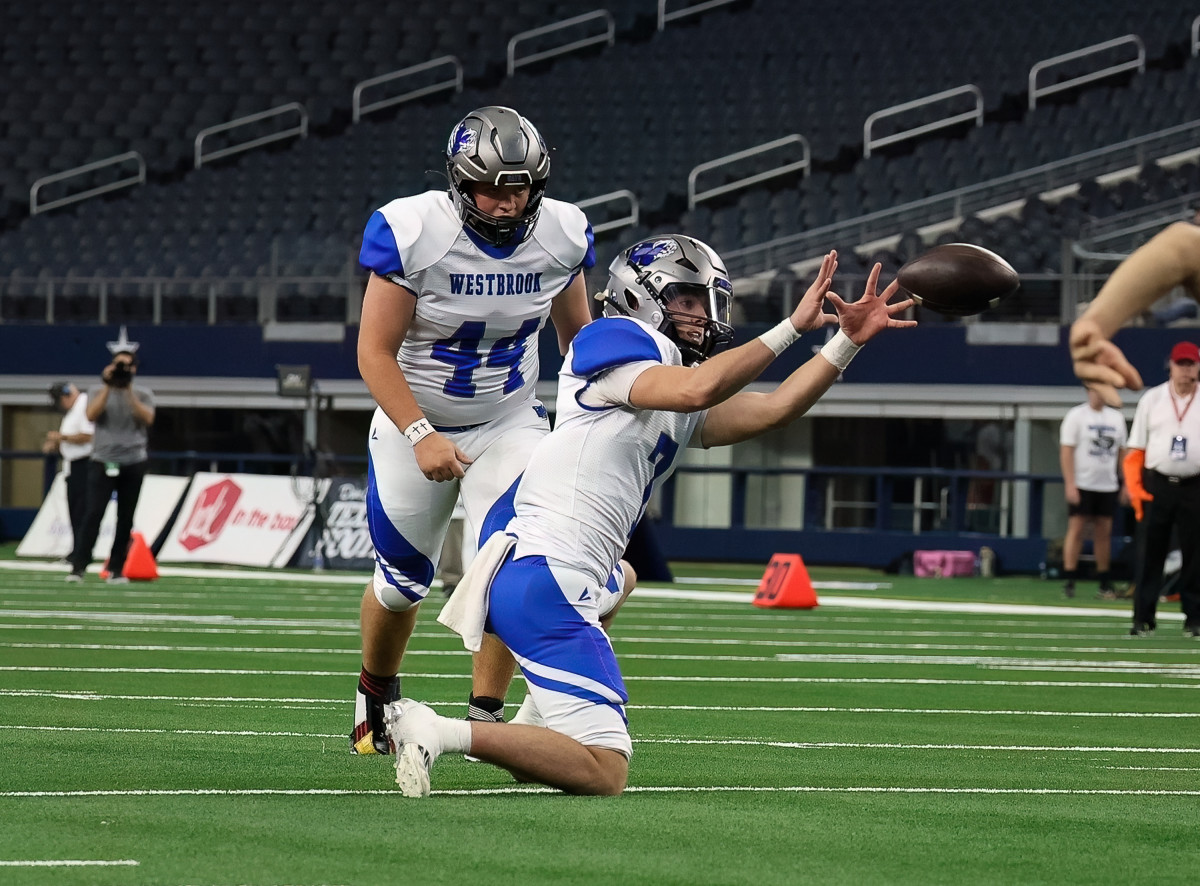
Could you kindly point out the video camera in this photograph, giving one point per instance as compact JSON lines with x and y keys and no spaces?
{"x":121,"y":375}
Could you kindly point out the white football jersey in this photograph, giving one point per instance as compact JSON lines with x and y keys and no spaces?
{"x":1098,"y":437}
{"x":471,"y":352}
{"x":589,"y":480}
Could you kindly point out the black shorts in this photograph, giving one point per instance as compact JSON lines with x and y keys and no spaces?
{"x":1094,"y":504}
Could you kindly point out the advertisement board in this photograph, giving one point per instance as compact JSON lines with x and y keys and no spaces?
{"x":340,"y":539}
{"x":242,"y":520}
{"x":50,"y":533}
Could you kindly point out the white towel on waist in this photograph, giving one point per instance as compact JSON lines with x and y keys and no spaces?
{"x":466,"y":610}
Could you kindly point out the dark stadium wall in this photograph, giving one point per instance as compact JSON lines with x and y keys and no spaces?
{"x":931,"y":355}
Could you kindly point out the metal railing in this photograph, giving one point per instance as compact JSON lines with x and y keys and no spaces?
{"x":805,"y":163}
{"x":159,"y":300}
{"x":1101,"y":245}
{"x":962,"y":201}
{"x":358,"y":109}
{"x":975,"y":114}
{"x":138,"y":178}
{"x":1138,"y":64}
{"x":664,"y":16}
{"x":301,"y":130}
{"x":612,"y":197}
{"x":607,"y":38}
{"x":905,"y":501}
{"x":1126,"y":231}
{"x":910,"y":500}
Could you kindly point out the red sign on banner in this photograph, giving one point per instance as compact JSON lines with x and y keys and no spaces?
{"x":209,"y":514}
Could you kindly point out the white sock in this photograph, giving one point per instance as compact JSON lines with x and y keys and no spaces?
{"x":455,"y":734}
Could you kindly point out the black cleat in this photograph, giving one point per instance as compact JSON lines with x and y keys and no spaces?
{"x":370,"y":734}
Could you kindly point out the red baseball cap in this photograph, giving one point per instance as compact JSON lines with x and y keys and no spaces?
{"x":1185,"y":351}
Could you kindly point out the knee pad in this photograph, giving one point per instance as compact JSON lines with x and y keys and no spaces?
{"x":396,"y":595}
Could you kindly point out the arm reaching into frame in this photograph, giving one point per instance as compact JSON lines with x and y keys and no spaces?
{"x":1171,"y":258}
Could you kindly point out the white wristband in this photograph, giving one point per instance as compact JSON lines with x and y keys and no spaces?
{"x":418,"y":431}
{"x":778,"y":337}
{"x":839,"y":351}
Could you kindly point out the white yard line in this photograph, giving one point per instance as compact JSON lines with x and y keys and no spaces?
{"x":915,"y":681}
{"x":626,"y":625}
{"x":360,"y":578}
{"x":68,"y":863}
{"x":618,"y":641}
{"x":677,"y":592}
{"x":900,"y":746}
{"x":84,"y":695}
{"x":144,"y":618}
{"x":633,"y":789}
{"x":131,"y":730}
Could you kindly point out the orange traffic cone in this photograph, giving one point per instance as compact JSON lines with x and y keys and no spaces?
{"x":104,"y":573}
{"x":786,"y":585}
{"x":139,"y":562}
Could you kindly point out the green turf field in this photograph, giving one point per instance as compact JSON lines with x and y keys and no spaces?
{"x":192,"y":730}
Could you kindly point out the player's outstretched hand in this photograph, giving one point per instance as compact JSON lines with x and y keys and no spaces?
{"x":1099,"y":363}
{"x":864,"y":319}
{"x":439,"y":459}
{"x":809,"y":314}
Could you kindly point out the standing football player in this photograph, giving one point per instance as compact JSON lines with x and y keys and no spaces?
{"x":461,"y":283}
{"x":636,"y":386}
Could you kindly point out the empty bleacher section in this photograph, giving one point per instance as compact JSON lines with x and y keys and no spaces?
{"x":276,"y":229}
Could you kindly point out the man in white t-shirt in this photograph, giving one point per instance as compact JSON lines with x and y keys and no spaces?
{"x":1091,"y":447}
{"x":73,"y":441}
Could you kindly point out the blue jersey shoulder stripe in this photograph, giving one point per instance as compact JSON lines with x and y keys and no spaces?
{"x":609,"y":342}
{"x":379,"y":252}
{"x":589,"y":257}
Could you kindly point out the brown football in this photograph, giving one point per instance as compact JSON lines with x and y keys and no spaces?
{"x":958,"y":279}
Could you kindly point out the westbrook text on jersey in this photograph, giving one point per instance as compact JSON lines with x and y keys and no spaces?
{"x":495,"y":284}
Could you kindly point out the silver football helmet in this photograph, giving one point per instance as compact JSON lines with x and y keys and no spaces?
{"x":649,"y":277}
{"x":498,"y":146}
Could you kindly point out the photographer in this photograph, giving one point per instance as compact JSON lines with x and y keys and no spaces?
{"x":122,"y":412}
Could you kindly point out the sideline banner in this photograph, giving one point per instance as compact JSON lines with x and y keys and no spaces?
{"x":242,"y":520}
{"x":345,"y":541}
{"x":50,"y":533}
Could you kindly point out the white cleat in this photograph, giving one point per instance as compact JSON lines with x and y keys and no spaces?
{"x":412,"y":726}
{"x":412,"y":771}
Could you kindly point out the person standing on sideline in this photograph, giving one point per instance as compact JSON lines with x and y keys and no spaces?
{"x":73,"y":441}
{"x":123,"y":413}
{"x":1162,"y":472}
{"x":636,"y":386}
{"x":1091,"y":449}
{"x":461,"y":283}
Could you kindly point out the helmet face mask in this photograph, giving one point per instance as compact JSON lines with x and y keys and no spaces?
{"x":677,"y":285}
{"x":497,"y":146}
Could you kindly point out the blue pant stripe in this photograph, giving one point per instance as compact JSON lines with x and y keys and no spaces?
{"x":391,"y":548}
{"x":574,"y":691}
